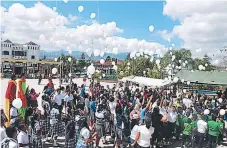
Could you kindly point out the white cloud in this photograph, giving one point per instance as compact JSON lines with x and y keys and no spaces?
{"x":48,"y":28}
{"x":203,"y":23}
{"x":72,"y":18}
{"x":165,"y":35}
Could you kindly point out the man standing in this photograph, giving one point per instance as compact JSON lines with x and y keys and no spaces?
{"x":21,"y":94}
{"x":10,"y":96}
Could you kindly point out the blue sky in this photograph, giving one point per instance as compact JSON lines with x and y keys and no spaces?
{"x":133,"y":17}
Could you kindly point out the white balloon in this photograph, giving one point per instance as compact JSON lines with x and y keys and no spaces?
{"x":113,"y":63}
{"x":144,"y":72}
{"x":182,"y":80}
{"x":179,"y":61}
{"x":169,"y":65}
{"x":70,"y":74}
{"x":91,"y":69}
{"x":42,"y":37}
{"x":203,"y":68}
{"x":55,"y":59}
{"x":200,"y":67}
{"x":80,"y":8}
{"x":69,"y":59}
{"x":17,"y":103}
{"x":92,"y":15}
{"x":70,"y":51}
{"x":85,"y":67}
{"x":137,"y":54}
{"x":96,"y":52}
{"x":192,"y":70}
{"x":54,"y":8}
{"x":170,"y":48}
{"x":54,"y":71}
{"x":115,"y":67}
{"x":206,"y":64}
{"x":188,"y":82}
{"x":115,"y":50}
{"x":222,"y":112}
{"x":170,"y":53}
{"x":184,"y":64}
{"x":184,"y":90}
{"x":102,"y":54}
{"x":206,"y":112}
{"x":158,"y":61}
{"x":128,"y":64}
{"x":220,"y":100}
{"x":132,"y":55}
{"x":173,"y":65}
{"x":103,"y":75}
{"x":66,"y":1}
{"x":175,"y":80}
{"x":179,"y":67}
{"x":89,"y":76}
{"x":102,"y":61}
{"x":151,"y":28}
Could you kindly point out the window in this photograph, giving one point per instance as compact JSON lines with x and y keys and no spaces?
{"x":32,"y":57}
{"x":28,"y":47}
{"x":5,"y":52}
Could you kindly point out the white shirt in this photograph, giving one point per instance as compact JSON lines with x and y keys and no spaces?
{"x":134,"y":132}
{"x":2,"y":133}
{"x":68,"y":98}
{"x":22,"y":138}
{"x":53,"y":113}
{"x":201,"y":126}
{"x":187,"y":102}
{"x":112,"y":106}
{"x":58,"y":99}
{"x":13,"y":112}
{"x":172,"y":116}
{"x":145,"y":136}
{"x":85,"y":133}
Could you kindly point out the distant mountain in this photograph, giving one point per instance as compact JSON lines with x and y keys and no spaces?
{"x":77,"y":54}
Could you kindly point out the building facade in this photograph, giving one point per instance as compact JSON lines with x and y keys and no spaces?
{"x":13,"y":52}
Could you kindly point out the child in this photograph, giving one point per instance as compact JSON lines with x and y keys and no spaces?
{"x":34,"y":96}
{"x":186,"y":132}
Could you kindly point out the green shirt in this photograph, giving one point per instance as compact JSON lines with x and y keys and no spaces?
{"x":213,"y":128}
{"x":187,"y":128}
{"x":221,"y":125}
{"x":179,"y":121}
{"x":194,"y":123}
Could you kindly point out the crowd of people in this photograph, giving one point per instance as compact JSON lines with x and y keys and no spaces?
{"x":133,"y":116}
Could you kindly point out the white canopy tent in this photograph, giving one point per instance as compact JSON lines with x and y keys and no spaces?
{"x":151,"y":82}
